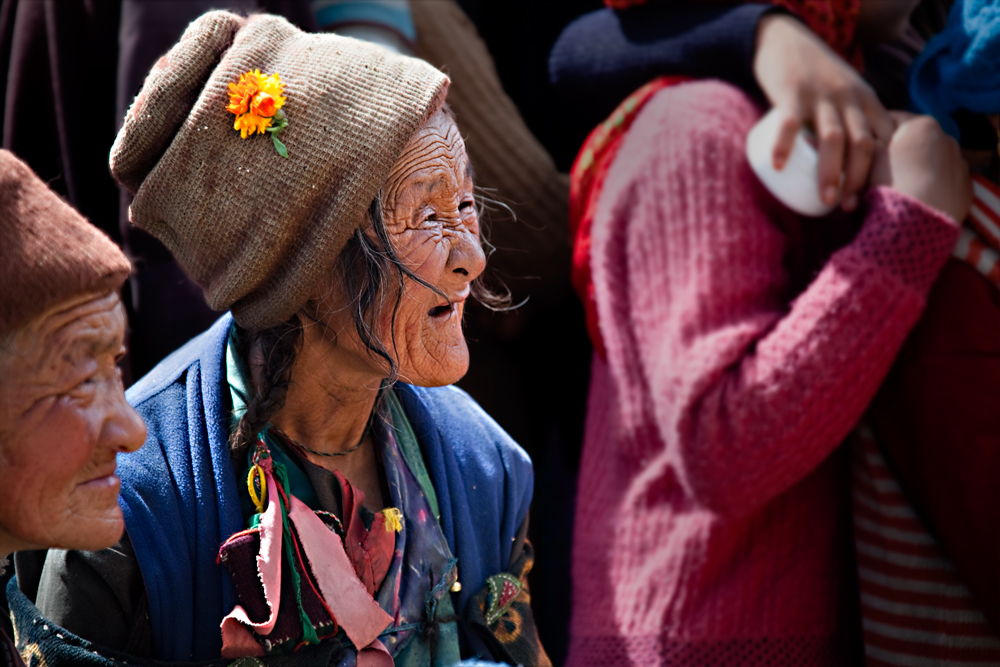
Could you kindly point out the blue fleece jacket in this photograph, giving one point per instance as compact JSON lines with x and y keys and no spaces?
{"x":180,"y":501}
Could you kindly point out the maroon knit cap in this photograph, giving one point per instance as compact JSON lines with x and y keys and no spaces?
{"x":48,"y":251}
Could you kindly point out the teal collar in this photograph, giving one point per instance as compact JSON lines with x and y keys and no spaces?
{"x":240,"y":389}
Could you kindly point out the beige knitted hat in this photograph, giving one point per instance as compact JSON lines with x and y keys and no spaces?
{"x":257,"y":230}
{"x":48,"y":251}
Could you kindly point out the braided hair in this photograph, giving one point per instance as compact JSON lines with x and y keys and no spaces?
{"x":278,"y":346}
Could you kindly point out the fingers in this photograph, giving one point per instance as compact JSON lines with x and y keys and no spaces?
{"x":830,"y":131}
{"x":849,"y":130}
{"x":860,"y":150}
{"x":880,"y":121}
{"x":791,"y":123}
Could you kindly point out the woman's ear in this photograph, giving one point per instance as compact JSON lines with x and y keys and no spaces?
{"x":325,"y":310}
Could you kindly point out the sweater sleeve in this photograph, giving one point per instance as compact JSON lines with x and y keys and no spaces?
{"x":750,"y":387}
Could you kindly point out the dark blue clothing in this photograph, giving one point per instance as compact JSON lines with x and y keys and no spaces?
{"x":603,"y":57}
{"x":180,"y":499}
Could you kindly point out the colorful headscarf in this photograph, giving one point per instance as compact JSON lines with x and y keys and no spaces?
{"x":832,"y":20}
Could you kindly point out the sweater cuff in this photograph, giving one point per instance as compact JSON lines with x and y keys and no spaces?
{"x":905,"y":237}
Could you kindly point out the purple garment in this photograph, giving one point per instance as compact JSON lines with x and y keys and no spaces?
{"x":417,"y":595}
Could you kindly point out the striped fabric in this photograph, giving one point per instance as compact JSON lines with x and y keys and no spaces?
{"x":915,"y":609}
{"x":980,"y":240}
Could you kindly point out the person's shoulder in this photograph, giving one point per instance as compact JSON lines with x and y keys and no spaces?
{"x":704,"y":105}
{"x":171,"y":373}
{"x":465,"y":428}
{"x":698,"y":110}
{"x":182,"y":404}
{"x":690,"y":135}
{"x":167,"y":402}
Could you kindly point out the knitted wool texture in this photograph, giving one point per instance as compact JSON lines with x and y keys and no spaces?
{"x":713,"y":520}
{"x":255,"y":230}
{"x":48,"y":251}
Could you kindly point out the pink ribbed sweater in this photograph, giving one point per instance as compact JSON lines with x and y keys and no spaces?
{"x":712,"y":522}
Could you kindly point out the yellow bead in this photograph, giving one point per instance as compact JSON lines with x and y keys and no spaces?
{"x":456,"y":587}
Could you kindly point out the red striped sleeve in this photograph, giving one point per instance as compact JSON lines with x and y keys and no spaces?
{"x":915,"y":609}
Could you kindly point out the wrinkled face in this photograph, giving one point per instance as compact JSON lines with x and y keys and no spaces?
{"x":431,"y":219}
{"x":63,"y":418}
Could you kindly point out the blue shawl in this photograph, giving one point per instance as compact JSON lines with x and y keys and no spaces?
{"x":180,"y":500}
{"x":960,"y":67}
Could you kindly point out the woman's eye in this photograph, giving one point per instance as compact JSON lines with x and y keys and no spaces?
{"x":427,"y":215}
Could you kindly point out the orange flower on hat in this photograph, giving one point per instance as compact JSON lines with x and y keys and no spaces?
{"x":256,"y":100}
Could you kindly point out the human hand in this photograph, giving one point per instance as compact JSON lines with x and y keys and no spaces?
{"x":922,"y":161}
{"x":812,"y":85}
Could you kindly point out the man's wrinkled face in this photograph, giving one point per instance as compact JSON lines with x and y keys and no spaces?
{"x":431,"y":218}
{"x":63,"y":419}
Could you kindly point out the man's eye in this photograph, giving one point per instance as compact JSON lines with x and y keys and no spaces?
{"x":82,"y":389}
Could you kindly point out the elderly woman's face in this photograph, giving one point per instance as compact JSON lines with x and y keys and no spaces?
{"x":431,"y":218}
{"x":63,"y":418}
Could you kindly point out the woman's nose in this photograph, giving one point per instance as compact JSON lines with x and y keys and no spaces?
{"x":467,"y":258}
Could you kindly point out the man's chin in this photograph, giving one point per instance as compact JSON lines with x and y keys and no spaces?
{"x":94,"y":534}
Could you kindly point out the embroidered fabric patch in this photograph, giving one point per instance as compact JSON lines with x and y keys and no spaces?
{"x":504,"y":588}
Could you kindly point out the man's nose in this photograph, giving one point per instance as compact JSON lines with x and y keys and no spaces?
{"x":124,"y":430}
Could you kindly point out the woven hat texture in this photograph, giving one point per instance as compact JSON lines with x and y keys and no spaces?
{"x":256,"y":230}
{"x":48,"y":251}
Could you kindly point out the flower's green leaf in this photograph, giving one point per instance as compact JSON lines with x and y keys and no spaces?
{"x":280,"y":147}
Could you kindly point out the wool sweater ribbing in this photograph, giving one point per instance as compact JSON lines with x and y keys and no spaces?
{"x":713,"y":522}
